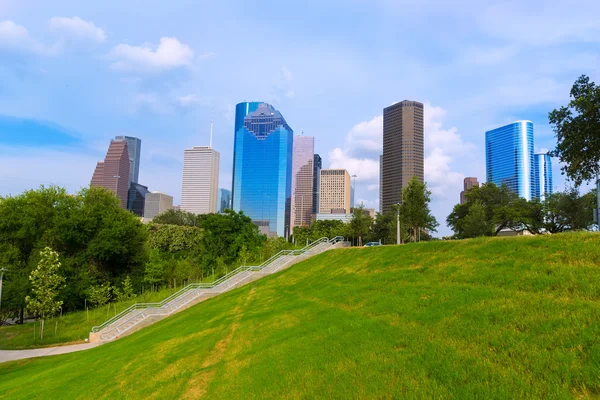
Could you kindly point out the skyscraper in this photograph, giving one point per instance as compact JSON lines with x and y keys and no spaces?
{"x":134,"y":148}
{"x":224,"y":200}
{"x":156,"y":204}
{"x":302,"y":180}
{"x":468,"y":184}
{"x":113,"y":172}
{"x":335,"y":192}
{"x":509,"y":158}
{"x":199,"y":190}
{"x":381,"y":183}
{"x":317,"y":165}
{"x":403,"y":153}
{"x":543,"y":176}
{"x":262,"y":167}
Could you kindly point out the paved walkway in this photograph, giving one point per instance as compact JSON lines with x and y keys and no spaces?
{"x":11,"y":355}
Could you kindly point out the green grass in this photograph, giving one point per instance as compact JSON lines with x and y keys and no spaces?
{"x":73,"y":327}
{"x":497,"y":318}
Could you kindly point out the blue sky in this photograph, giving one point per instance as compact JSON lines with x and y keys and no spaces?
{"x":74,"y":74}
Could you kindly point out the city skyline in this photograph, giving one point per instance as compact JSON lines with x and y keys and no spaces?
{"x":493,"y":70}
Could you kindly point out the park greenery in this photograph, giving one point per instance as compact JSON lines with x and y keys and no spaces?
{"x":490,"y":209}
{"x":105,"y":254}
{"x":488,"y":318}
{"x":416,"y":221}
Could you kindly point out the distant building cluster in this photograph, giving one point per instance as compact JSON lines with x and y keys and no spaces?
{"x":280,"y":183}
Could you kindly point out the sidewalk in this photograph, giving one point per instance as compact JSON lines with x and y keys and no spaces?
{"x":11,"y":355}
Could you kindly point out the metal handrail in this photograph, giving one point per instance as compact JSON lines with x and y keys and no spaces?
{"x":211,"y":285}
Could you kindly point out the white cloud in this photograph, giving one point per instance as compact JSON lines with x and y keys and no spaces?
{"x":169,"y":54}
{"x":283,"y":83}
{"x":191,"y":100}
{"x":14,"y":37}
{"x":152,"y":102}
{"x":77,"y":27}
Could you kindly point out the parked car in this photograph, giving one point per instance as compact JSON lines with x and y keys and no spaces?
{"x":372,"y":244}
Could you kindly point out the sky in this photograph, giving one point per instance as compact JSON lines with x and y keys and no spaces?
{"x":75,"y":74}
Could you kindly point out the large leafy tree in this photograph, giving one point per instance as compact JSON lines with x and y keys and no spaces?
{"x":415,"y":213}
{"x":45,"y":285}
{"x":577,"y":129}
{"x":98,"y":241}
{"x":568,"y":211}
{"x":178,"y":217}
{"x":361,"y":224}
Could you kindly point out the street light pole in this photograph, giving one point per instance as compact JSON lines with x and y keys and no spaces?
{"x":398,"y":239}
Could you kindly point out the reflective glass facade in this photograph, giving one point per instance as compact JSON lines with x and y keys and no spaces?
{"x":509,"y":158}
{"x":262,"y":165}
{"x":543,"y":176}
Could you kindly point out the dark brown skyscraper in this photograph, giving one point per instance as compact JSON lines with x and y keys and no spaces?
{"x":403,"y":154}
{"x":468,"y":184}
{"x":113,"y":173}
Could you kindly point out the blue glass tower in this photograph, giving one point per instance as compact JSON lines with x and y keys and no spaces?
{"x":509,"y":158}
{"x":262,"y":166}
{"x":543,"y":176}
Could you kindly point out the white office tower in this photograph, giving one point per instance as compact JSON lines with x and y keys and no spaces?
{"x":200,"y":187}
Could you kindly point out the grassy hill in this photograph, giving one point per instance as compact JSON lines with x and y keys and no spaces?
{"x":486,"y":318}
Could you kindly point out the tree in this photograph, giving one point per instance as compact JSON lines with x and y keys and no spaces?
{"x":568,"y":211}
{"x":178,"y":217}
{"x":475,"y":221}
{"x":577,"y":129}
{"x":415,"y":213}
{"x":361,"y":224}
{"x":126,"y":291}
{"x":100,"y":295}
{"x":45,"y":282}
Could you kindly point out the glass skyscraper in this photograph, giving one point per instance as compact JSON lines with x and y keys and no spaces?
{"x":543,"y":176}
{"x":134,"y":147}
{"x":262,"y":166}
{"x":509,"y":158}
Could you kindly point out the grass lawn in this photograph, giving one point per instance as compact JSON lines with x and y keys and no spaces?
{"x":72,"y":327}
{"x":493,"y":318}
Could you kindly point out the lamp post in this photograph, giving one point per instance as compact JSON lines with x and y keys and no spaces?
{"x":398,"y":238}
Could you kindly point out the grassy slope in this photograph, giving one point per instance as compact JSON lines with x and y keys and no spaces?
{"x":72,"y":327}
{"x":487,"y":318}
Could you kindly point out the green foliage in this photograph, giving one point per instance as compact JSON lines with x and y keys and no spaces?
{"x":489,"y":209}
{"x":45,"y":285}
{"x":319,"y":229}
{"x":577,"y":129}
{"x":177,"y":217}
{"x":183,"y":240}
{"x":415,"y":213}
{"x":489,"y":318}
{"x":100,"y":295}
{"x":361,"y":224}
{"x":97,"y":240}
{"x":126,"y":291}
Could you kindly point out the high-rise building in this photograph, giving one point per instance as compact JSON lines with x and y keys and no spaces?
{"x":403,"y":152}
{"x":335,"y":192}
{"x":156,"y":204}
{"x":381,"y":183}
{"x":199,"y":192}
{"x":302,"y":180}
{"x":136,"y":198}
{"x":509,"y":158}
{"x":134,"y":148}
{"x":468,"y":184}
{"x":317,"y":165}
{"x":224,"y":200}
{"x":113,"y":172}
{"x":543,"y":176}
{"x":262,"y":167}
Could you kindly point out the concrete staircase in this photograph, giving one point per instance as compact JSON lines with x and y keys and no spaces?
{"x":141,"y":315}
